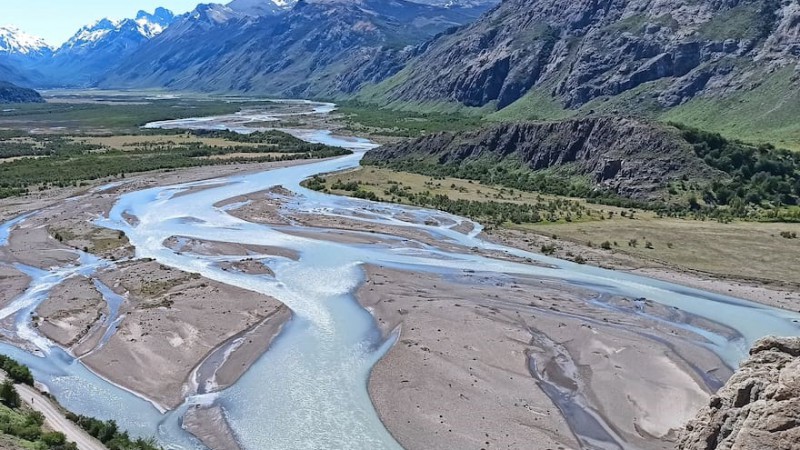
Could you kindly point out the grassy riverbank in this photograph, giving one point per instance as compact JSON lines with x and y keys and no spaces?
{"x":757,"y":250}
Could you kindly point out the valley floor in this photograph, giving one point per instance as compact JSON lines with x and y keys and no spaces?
{"x":748,"y":260}
{"x":480,"y":360}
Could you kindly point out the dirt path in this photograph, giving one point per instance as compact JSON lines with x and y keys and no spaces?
{"x":56,"y":420}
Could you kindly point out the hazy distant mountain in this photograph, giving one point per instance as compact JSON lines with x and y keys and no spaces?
{"x":95,"y":48}
{"x":21,"y":54}
{"x":11,"y":73}
{"x":317,"y":47}
{"x":458,"y":3}
{"x":261,"y":7}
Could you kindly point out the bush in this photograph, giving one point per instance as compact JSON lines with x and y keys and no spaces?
{"x":16,"y":371}
{"x":54,"y":439}
{"x":606,"y":245}
{"x":109,"y":434}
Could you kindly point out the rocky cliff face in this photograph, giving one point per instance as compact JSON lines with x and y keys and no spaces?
{"x":631,"y":158}
{"x":759,"y":407}
{"x":579,"y":51}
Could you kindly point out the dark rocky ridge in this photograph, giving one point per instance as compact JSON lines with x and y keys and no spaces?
{"x":10,"y":93}
{"x":574,"y":52}
{"x":629,"y":157}
{"x":758,"y":408}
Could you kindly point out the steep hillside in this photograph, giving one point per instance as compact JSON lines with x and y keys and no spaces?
{"x":320,"y":47}
{"x":614,"y":158}
{"x":625,"y":157}
{"x":551,"y":59}
{"x":10,"y":73}
{"x":758,"y":408}
{"x":11,"y":93}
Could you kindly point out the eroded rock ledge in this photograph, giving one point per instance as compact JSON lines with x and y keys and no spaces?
{"x":759,"y":407}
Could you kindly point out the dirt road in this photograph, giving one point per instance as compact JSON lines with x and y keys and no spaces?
{"x":55,"y":419}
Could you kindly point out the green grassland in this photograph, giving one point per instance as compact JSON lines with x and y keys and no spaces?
{"x":115,"y":113}
{"x":769,"y":113}
{"x":369,"y":120}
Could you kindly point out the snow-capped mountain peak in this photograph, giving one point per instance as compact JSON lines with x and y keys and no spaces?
{"x":16,"y":42}
{"x":151,"y":25}
{"x":145,"y":25}
{"x":92,"y":33}
{"x":261,"y":7}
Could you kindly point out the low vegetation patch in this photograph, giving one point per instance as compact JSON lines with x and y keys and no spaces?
{"x":110,"y":435}
{"x":62,"y":161}
{"x":369,"y":119}
{"x":763,"y":180}
{"x":491,"y":204}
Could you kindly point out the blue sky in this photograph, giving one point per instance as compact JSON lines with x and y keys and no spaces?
{"x":57,"y":20}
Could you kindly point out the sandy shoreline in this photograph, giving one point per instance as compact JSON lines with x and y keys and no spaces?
{"x":772,"y":293}
{"x":458,"y":375}
{"x":427,"y":388}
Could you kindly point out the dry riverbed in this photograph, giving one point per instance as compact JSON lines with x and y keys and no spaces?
{"x":171,"y":321}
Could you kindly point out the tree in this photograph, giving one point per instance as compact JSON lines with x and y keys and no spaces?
{"x":9,"y":395}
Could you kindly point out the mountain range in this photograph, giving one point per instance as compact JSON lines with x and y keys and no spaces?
{"x":721,"y":64}
{"x":263,"y":46}
{"x":726,"y":65}
{"x":317,"y":48}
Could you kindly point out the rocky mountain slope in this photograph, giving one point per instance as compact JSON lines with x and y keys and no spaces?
{"x":758,"y":408}
{"x":626,"y":157}
{"x":318,"y":48}
{"x":545,"y":58}
{"x":11,"y":93}
{"x":98,"y":47}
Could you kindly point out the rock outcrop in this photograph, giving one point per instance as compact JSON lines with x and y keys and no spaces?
{"x":759,"y":407}
{"x":632,"y":158}
{"x":10,"y":93}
